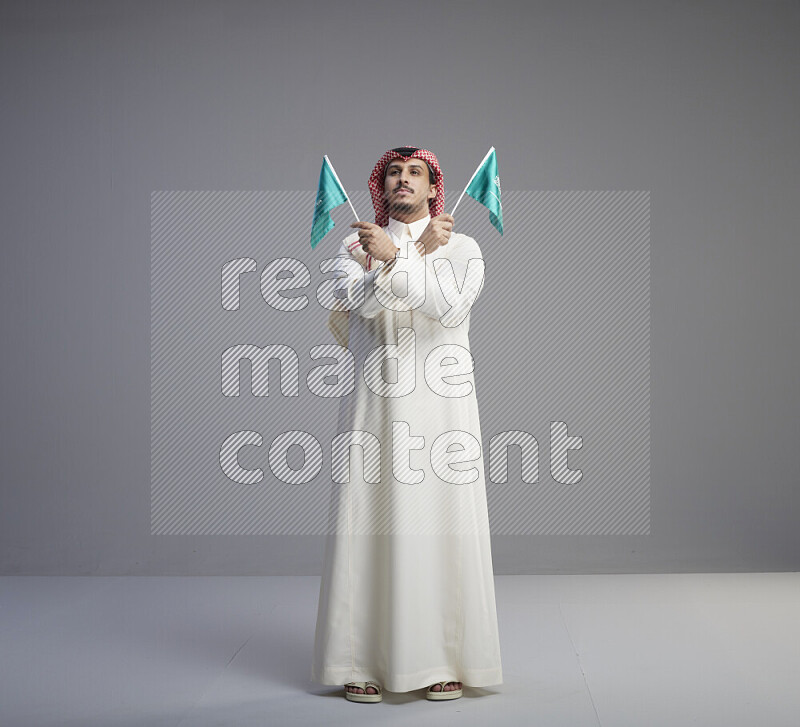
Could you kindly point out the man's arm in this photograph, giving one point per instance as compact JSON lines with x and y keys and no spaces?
{"x":354,"y":288}
{"x":436,"y":289}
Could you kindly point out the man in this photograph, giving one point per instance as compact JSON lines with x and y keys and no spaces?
{"x":407,"y":593}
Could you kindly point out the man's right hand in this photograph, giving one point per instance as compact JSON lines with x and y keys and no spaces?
{"x":436,"y":234}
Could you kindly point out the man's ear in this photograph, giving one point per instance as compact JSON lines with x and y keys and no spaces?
{"x":432,"y":193}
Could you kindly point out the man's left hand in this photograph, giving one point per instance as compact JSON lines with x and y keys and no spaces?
{"x":375,"y":241}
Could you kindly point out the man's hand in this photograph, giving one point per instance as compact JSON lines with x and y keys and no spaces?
{"x":375,"y":241}
{"x":436,"y":234}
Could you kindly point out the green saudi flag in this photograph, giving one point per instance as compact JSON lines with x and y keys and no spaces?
{"x":484,"y":187}
{"x":330,"y":195}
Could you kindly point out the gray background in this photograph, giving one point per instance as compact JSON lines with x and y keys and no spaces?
{"x":103,"y":103}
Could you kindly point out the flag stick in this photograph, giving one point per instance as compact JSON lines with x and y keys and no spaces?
{"x":470,"y":179}
{"x":342,"y":186}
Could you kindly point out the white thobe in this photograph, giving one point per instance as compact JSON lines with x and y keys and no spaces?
{"x":407,"y":592}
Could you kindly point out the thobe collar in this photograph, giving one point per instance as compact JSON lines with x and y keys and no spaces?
{"x":417,"y":228}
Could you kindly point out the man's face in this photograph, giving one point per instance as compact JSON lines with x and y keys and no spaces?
{"x":407,"y":189}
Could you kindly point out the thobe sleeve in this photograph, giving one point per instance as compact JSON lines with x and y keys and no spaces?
{"x":429,"y":279}
{"x":354,"y":287}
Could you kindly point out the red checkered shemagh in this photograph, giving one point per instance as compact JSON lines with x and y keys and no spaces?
{"x":376,"y":182}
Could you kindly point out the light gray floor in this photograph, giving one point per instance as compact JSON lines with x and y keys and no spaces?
{"x":637,"y":650}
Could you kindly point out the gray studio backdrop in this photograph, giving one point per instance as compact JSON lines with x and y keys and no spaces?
{"x":689,"y":109}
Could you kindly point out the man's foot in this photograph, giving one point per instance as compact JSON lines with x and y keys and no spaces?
{"x":359,"y":690}
{"x":440,"y":691}
{"x":355,"y":691}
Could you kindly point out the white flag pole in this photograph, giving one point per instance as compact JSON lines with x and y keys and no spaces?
{"x":488,"y":153}
{"x":342,"y":186}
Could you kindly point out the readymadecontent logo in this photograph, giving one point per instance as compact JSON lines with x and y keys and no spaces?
{"x":246,"y":384}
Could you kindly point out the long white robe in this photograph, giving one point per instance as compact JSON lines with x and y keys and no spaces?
{"x":407,"y":592}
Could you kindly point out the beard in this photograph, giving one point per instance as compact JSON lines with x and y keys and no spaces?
{"x":405,"y":208}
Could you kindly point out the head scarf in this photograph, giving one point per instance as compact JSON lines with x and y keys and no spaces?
{"x":376,"y":181}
